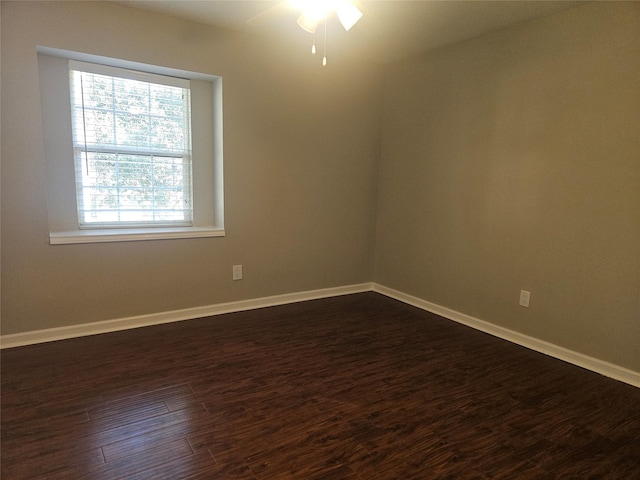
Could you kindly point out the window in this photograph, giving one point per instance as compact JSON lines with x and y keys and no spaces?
{"x":132,"y":147}
{"x":132,"y":151}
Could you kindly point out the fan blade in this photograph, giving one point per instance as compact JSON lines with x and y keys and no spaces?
{"x":307,"y":23}
{"x":370,"y":23}
{"x":348,"y":14}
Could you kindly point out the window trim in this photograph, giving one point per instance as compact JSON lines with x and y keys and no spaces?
{"x":132,"y":234}
{"x":209,"y":224}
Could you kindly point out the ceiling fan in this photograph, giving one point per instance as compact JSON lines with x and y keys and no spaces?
{"x":315,"y":12}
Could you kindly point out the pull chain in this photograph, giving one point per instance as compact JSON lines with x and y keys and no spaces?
{"x":324,"y":58}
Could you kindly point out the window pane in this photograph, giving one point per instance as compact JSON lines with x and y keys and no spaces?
{"x":168,"y":134}
{"x":132,"y":130}
{"x":142,"y":188}
{"x":132,"y":141}
{"x":96,"y":127}
{"x":169,"y":172}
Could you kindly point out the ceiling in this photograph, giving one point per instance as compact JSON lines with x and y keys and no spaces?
{"x":389,"y":30}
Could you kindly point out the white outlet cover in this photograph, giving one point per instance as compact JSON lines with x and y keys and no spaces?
{"x":525,"y":297}
{"x":237,"y":272}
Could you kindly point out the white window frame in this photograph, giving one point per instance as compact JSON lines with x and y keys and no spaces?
{"x":207,"y":152}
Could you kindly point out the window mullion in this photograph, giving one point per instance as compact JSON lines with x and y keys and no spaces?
{"x":132,"y":151}
{"x":115,"y":143}
{"x":152,"y":159}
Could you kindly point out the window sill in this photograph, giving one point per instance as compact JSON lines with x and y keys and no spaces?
{"x":132,"y":234}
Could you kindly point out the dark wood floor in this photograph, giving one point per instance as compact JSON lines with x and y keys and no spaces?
{"x":355,"y":387}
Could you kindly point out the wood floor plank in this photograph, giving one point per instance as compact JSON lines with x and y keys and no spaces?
{"x":43,"y":463}
{"x":227,"y":472}
{"x":181,"y":468}
{"x":144,"y":441}
{"x":148,"y":425}
{"x":356,"y":387}
{"x":108,"y":416}
{"x":139,"y":462}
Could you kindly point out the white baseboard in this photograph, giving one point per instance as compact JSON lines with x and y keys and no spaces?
{"x":106,"y":326}
{"x":599,"y":366}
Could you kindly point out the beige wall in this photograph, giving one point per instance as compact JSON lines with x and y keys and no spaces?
{"x":301,"y":147}
{"x":511,"y":162}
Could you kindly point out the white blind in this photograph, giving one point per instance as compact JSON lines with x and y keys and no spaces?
{"x":132,"y":144}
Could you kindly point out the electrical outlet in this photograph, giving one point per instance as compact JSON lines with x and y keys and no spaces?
{"x":237,"y":272}
{"x":524,"y":298}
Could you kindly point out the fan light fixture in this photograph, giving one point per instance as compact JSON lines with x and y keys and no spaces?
{"x":316,"y":11}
